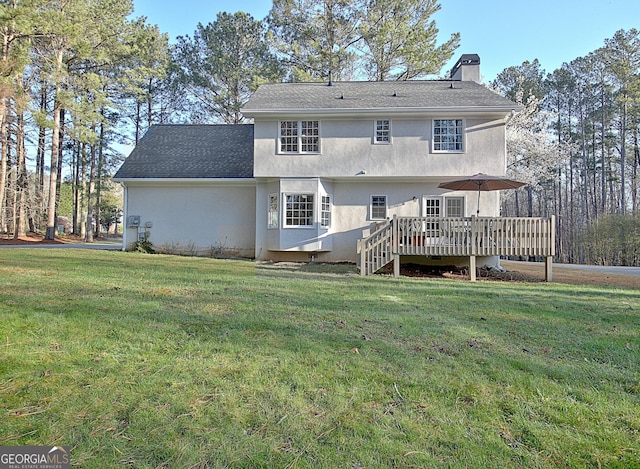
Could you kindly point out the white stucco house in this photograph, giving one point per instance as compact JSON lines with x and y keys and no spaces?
{"x":324,"y":170}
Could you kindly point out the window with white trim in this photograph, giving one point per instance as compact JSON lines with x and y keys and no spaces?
{"x":273,"y":212}
{"x":454,"y":207}
{"x":382,"y":131}
{"x":325,"y":211}
{"x":448,"y":135}
{"x":378,"y":208}
{"x":299,"y":210}
{"x":299,"y":137}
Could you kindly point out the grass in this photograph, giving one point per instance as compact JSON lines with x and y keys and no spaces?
{"x":155,"y":361}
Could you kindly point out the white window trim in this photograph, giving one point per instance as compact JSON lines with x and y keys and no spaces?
{"x":330,"y":211}
{"x":375,"y":132}
{"x":285,"y":224}
{"x":464,"y":136}
{"x":299,"y":136}
{"x":423,"y":208}
{"x":386,"y":207}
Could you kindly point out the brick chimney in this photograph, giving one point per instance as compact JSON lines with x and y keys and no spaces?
{"x":467,"y":68}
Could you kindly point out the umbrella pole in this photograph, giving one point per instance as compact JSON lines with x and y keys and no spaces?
{"x":478,"y":211}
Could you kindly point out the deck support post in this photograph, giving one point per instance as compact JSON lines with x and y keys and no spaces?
{"x":472,"y":268}
{"x":548,"y":269}
{"x":361,"y":258}
{"x":396,"y":266}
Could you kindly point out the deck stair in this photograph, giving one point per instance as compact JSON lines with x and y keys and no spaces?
{"x":376,"y":251}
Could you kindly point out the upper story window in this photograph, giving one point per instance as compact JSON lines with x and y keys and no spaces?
{"x":448,"y":135}
{"x":299,"y":137}
{"x":299,"y":210}
{"x":378,"y":207}
{"x":382,"y":133}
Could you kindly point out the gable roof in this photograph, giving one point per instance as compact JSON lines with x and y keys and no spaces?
{"x":373,"y":97}
{"x":191,"y":151}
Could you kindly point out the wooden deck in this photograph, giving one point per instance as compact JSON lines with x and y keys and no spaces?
{"x":457,"y":237}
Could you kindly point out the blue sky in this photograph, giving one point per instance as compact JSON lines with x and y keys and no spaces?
{"x":502,"y":32}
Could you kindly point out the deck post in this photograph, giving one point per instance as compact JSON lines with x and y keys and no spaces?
{"x":472,"y":268}
{"x":361,"y":258}
{"x":474,"y":236}
{"x":548,"y":269}
{"x":396,"y":266}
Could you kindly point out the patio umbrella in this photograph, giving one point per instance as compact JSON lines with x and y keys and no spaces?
{"x":481,"y":182}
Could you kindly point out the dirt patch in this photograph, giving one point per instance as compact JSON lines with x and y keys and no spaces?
{"x":520,"y":272}
{"x":33,"y":238}
{"x":535,"y":272}
{"x":36,"y":239}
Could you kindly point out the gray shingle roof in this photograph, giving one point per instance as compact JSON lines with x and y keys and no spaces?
{"x":191,"y":151}
{"x":369,"y":96}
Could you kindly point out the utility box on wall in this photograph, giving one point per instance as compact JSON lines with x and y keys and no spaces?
{"x":133,"y":221}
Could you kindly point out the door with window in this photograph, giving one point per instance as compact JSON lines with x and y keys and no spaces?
{"x":431,"y":208}
{"x":441,"y":207}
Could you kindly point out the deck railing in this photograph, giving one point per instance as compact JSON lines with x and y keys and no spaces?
{"x":462,"y":237}
{"x":474,"y":236}
{"x":376,"y":251}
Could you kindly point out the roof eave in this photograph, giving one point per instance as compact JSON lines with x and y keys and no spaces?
{"x":235,"y":181}
{"x":324,"y":112}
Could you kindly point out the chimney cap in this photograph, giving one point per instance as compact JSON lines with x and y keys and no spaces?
{"x":465,"y":59}
{"x":468,"y":59}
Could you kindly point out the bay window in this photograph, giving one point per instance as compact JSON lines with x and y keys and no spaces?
{"x":299,"y":210}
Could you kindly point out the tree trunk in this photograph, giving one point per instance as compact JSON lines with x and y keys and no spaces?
{"x":82,"y":186}
{"x":7,"y":38}
{"x":603,"y":174}
{"x":634,"y":175}
{"x":99,"y":176}
{"x":60,"y":160}
{"x":4,"y":141}
{"x":76,"y":188}
{"x":138,"y":118}
{"x":40,"y":164}
{"x":53,"y":171}
{"x":42,"y":134}
{"x":21,"y":180}
{"x":92,"y":195}
{"x":623,"y":153}
{"x":150,"y":103}
{"x":585,"y":164}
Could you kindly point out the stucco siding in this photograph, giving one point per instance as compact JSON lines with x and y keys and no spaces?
{"x":350,"y":218}
{"x":195,"y":217}
{"x":347,"y":149}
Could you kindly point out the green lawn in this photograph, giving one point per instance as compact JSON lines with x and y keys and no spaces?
{"x":154,"y":361}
